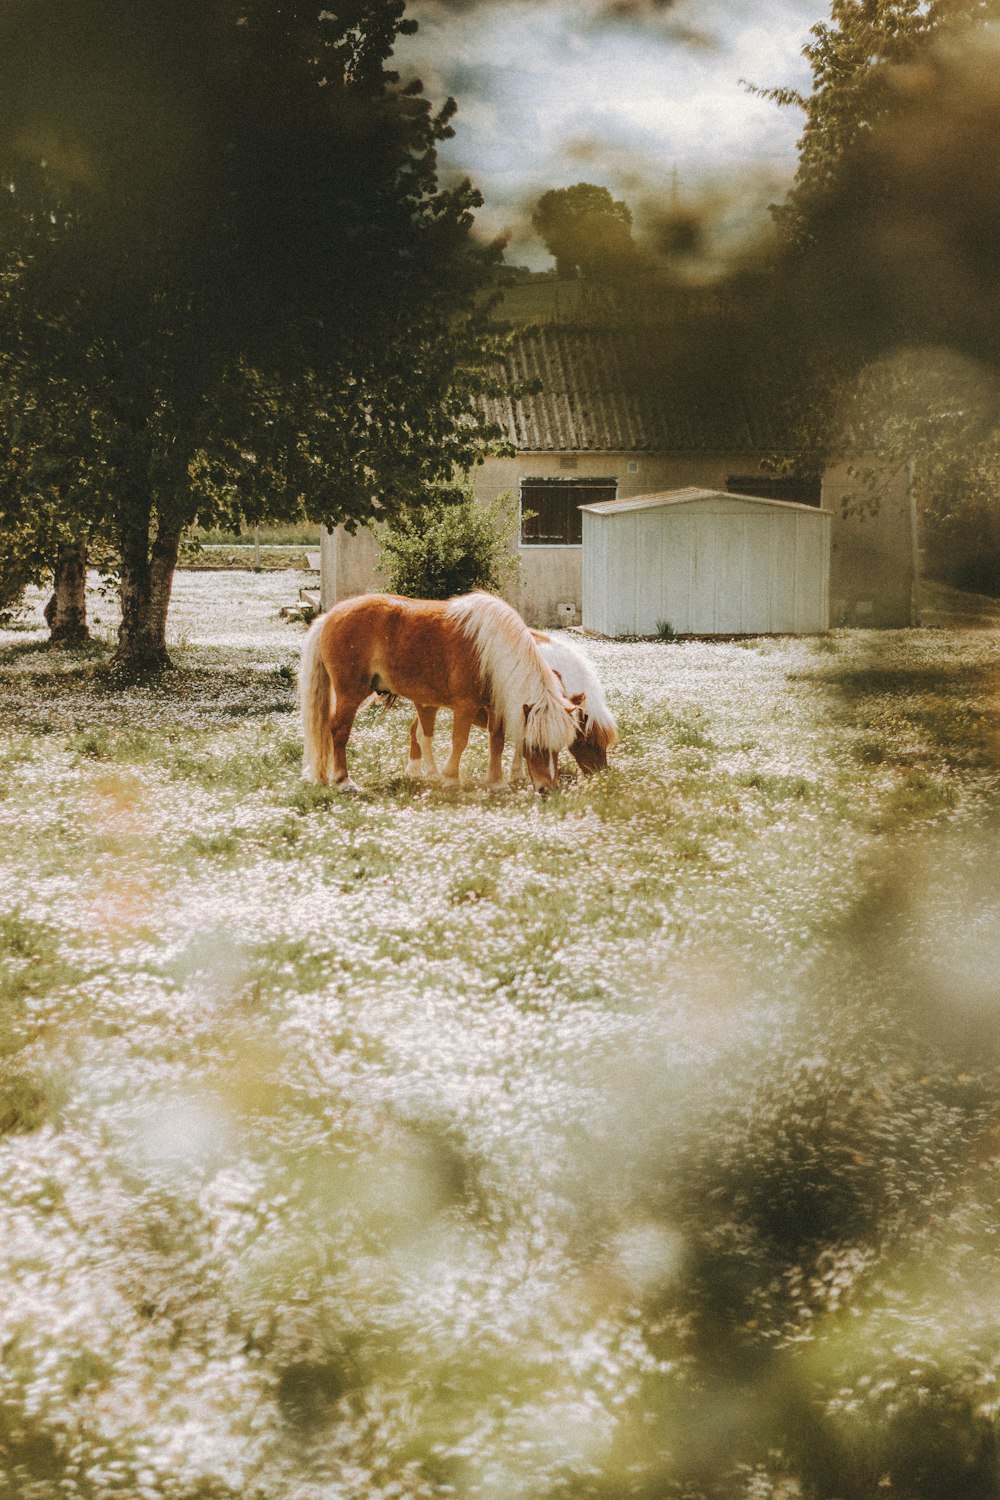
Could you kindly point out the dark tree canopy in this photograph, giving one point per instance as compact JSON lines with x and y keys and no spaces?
{"x":888,"y":226}
{"x":226,"y":251}
{"x":885,"y":299}
{"x":863,"y":62}
{"x":585,"y":230}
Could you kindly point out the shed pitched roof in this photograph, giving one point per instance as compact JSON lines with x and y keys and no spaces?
{"x":620,"y":390}
{"x":686,"y":497}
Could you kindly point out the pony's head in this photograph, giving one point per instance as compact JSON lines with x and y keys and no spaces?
{"x":542,"y":760}
{"x":592,"y":743}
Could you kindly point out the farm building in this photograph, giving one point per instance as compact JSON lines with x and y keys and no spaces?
{"x":604,"y":422}
{"x":705,"y":562}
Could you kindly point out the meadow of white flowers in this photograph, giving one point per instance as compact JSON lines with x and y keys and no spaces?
{"x":377,"y":1147}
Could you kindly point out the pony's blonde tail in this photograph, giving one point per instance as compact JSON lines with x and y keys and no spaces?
{"x":316,"y":705}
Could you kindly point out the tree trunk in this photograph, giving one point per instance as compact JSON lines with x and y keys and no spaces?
{"x":66,"y":611}
{"x":147,"y":574}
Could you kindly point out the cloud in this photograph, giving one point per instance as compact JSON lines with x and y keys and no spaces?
{"x":695,"y":24}
{"x":620,"y":92}
{"x":665,"y":13}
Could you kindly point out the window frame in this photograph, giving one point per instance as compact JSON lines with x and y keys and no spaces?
{"x":585,"y":484}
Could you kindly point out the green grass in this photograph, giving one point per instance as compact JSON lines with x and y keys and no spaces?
{"x":303,"y":533}
{"x":918,"y":710}
{"x":31,"y":970}
{"x":29,"y":964}
{"x":242,"y":558}
{"x":949,"y":608}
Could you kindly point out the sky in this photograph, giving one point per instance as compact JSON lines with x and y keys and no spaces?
{"x":640,"y":96}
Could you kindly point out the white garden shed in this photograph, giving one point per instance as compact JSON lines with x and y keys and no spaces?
{"x":706,"y":563}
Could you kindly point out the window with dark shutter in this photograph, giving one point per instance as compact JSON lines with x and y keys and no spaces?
{"x":804,"y":488}
{"x":550,"y":509}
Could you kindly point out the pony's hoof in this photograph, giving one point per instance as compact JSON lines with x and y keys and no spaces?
{"x":347,"y":785}
{"x":415,"y":769}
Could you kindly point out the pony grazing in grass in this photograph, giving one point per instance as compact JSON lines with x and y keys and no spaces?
{"x":596,"y":731}
{"x":473,"y":654}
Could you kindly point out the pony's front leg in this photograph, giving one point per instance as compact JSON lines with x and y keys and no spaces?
{"x":421,"y":762}
{"x":517,"y":764}
{"x":463,"y":718}
{"x":495,"y":777}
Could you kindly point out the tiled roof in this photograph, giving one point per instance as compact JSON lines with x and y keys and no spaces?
{"x":618,"y":390}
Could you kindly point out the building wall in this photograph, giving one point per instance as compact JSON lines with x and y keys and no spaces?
{"x":551,"y":577}
{"x":871,"y":560}
{"x":871,"y":570}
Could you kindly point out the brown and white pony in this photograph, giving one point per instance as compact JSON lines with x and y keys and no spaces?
{"x":473,"y":654}
{"x":596,"y":732}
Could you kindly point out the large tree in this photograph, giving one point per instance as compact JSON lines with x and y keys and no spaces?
{"x":585,"y":230}
{"x":225,"y":251}
{"x":852,"y":59}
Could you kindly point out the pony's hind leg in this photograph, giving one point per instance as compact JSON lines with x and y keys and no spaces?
{"x":463,"y":718}
{"x":340,"y":728}
{"x":415,"y":765}
{"x":421,"y":762}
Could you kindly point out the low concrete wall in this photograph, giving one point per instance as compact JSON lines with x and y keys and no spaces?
{"x":347,"y":565}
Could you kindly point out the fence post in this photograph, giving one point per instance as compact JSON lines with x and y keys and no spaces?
{"x":911,"y":466}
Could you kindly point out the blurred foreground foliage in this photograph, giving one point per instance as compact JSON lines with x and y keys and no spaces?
{"x":793,"y":1229}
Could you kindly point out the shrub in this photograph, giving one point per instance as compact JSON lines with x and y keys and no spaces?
{"x":451,"y":544}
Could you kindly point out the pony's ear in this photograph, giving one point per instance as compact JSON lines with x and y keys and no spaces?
{"x":579,"y":699}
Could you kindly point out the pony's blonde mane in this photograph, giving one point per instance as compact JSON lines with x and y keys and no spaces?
{"x":578,"y":676}
{"x":514,"y":673}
